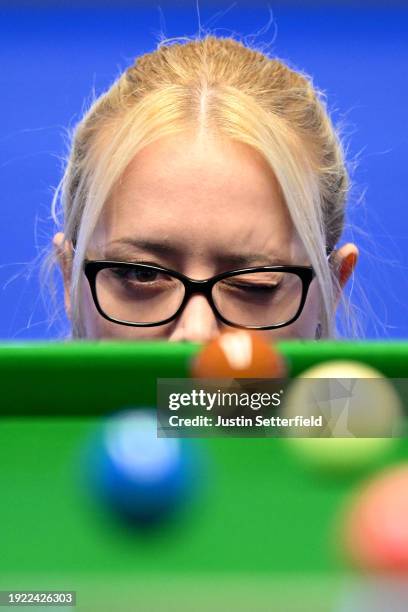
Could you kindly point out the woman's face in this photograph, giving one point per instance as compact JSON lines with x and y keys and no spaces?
{"x":200,"y":207}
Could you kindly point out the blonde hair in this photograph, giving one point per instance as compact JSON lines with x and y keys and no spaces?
{"x":219,"y":85}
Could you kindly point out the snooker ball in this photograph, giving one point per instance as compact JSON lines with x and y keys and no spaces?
{"x":142,"y":477}
{"x":239,"y":354}
{"x":360,"y":411}
{"x":375,"y":534}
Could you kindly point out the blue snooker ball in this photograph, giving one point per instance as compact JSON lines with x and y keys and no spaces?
{"x":143,"y":477}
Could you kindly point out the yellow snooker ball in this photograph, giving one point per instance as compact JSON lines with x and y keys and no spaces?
{"x":360,"y":410}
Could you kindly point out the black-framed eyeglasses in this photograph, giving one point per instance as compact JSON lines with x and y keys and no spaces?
{"x":144,"y":295}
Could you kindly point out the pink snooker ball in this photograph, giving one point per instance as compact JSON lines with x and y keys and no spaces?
{"x":376,"y":529}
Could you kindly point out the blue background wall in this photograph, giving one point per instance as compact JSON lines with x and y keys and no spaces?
{"x":52,"y":58}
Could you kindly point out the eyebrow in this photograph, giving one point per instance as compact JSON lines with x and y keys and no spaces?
{"x":125,"y":248}
{"x":125,"y":245}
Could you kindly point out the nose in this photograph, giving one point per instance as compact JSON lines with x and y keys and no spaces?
{"x":197,"y":322}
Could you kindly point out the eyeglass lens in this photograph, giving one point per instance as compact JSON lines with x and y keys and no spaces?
{"x":259,"y":298}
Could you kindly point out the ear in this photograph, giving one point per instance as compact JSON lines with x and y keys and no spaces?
{"x":64,"y":252}
{"x":344,"y":262}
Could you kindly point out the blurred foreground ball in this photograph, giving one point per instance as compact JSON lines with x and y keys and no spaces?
{"x":361,"y":414}
{"x":143,"y":478}
{"x":239,"y":354}
{"x":376,"y":526}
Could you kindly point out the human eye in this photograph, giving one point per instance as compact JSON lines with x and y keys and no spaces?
{"x":138,"y":281}
{"x":136,"y":275}
{"x":255,"y":283}
{"x":255,"y":286}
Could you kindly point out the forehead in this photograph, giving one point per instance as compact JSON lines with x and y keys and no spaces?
{"x":202,"y":194}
